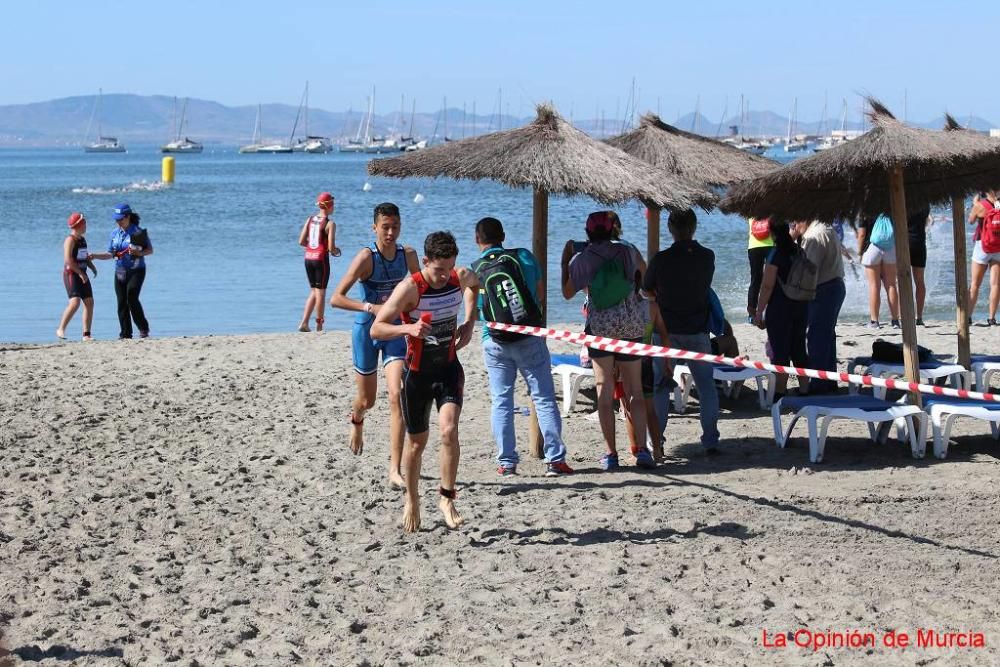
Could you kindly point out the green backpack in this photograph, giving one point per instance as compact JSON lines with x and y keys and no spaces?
{"x":610,"y":286}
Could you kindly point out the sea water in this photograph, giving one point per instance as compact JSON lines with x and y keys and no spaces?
{"x":227,"y":259}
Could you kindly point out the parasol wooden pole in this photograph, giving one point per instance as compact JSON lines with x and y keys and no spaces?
{"x":961,"y":281}
{"x":540,"y":239}
{"x":907,"y":316}
{"x":652,"y":233}
{"x":540,"y":249}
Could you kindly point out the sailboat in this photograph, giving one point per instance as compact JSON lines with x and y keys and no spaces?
{"x":375,"y":144}
{"x":357,"y":144}
{"x":835,"y":138}
{"x":310,"y":143}
{"x":103,"y":144}
{"x":257,"y":147}
{"x":793,"y":145}
{"x":179,"y":145}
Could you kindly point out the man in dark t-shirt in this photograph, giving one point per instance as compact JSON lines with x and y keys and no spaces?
{"x":679,"y":278}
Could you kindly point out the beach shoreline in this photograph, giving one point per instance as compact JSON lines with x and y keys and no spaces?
{"x":194,"y":500}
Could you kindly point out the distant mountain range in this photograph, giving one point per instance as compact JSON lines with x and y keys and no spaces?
{"x":150,"y":119}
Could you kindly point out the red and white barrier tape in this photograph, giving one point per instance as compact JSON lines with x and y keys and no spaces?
{"x":643,"y":350}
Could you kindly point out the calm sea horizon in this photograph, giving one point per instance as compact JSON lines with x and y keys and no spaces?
{"x":225,"y":234}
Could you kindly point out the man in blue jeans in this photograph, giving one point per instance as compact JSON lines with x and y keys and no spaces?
{"x":509,"y":285}
{"x":679,"y":278}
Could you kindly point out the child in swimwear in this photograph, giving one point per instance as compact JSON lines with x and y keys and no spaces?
{"x":76,"y":261}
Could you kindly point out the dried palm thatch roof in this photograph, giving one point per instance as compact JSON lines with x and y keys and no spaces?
{"x":852,"y":179}
{"x":699,"y":158}
{"x":551,"y":155}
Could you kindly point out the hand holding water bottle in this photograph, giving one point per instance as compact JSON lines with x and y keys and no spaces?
{"x":421,"y":327}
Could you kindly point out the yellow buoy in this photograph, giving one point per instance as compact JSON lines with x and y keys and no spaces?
{"x":167,"y":171}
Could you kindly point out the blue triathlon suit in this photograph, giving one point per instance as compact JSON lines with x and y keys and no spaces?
{"x":376,"y":290}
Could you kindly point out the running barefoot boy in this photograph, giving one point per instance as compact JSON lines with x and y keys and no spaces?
{"x":428,"y":302}
{"x":379,"y":268}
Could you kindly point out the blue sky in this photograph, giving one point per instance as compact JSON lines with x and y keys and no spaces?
{"x":581,"y":55}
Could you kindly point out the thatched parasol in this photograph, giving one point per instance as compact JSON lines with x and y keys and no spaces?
{"x":883,"y":171}
{"x":549,"y":155}
{"x":853,"y":179}
{"x":962,"y":310}
{"x":693,"y":156}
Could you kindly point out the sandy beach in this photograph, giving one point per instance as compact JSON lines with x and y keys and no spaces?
{"x":193,"y":501}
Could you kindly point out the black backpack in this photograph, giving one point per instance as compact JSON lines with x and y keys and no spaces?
{"x":506,"y":296}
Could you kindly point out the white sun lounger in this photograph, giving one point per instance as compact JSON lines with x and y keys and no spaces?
{"x":958,"y":375}
{"x":944,"y":411}
{"x":983,"y":368}
{"x":568,"y":368}
{"x":731,"y":378}
{"x":819,"y":411}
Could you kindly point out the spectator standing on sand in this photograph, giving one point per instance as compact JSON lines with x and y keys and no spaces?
{"x":821,"y":244}
{"x":610,"y":272}
{"x":784,"y":318}
{"x":679,"y":278}
{"x":759,"y":244}
{"x":877,"y":249}
{"x":509,"y":284}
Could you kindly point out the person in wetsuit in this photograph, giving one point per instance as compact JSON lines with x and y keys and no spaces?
{"x":428,"y":302}
{"x":378,"y":267}
{"x":319,"y":238}
{"x":76,"y":260}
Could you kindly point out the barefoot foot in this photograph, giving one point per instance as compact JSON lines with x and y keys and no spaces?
{"x":319,"y":323}
{"x":451,"y":515}
{"x":396,"y":480}
{"x":60,"y":334}
{"x":304,"y":327}
{"x":357,"y":442}
{"x":411,"y":515}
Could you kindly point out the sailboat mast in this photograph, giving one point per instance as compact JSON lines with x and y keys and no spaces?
{"x":361,"y":123}
{"x":100,"y":96}
{"x":371,"y":113}
{"x":298,"y":114}
{"x":822,"y":120}
{"x":307,"y":108}
{"x":173,"y":119}
{"x":444,"y":113}
{"x":180,"y":127}
{"x":791,"y":116}
{"x":473,"y":118}
{"x":413,"y":112}
{"x":402,"y":104}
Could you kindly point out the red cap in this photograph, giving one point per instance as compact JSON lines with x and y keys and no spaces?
{"x":75,"y":218}
{"x":600,"y":220}
{"x":324,"y":200}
